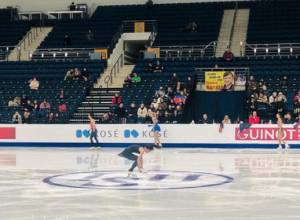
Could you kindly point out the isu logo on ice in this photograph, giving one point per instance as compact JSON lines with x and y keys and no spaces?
{"x":153,"y":180}
{"x":266,"y":134}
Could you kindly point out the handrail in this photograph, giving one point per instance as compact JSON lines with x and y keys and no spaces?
{"x":233,"y":24}
{"x":114,"y":70}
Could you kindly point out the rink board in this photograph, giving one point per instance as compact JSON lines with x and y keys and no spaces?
{"x":120,"y":135}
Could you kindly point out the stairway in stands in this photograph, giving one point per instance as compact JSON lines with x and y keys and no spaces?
{"x":97,"y":102}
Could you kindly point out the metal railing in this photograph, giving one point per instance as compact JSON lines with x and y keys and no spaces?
{"x":62,"y":53}
{"x":189,"y":51}
{"x":279,"y":49}
{"x":4,"y":52}
{"x":114,"y":70}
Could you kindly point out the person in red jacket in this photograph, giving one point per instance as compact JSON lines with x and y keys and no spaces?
{"x":116,"y":100}
{"x":254,"y":118}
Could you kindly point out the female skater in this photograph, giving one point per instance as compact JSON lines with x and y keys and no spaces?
{"x":280,"y":133}
{"x":94,"y":133}
{"x":135,"y":153}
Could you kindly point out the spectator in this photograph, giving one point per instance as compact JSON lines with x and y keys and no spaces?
{"x":132,"y":113}
{"x":288,"y":118}
{"x":142,"y":113}
{"x":178,"y":113}
{"x":29,"y":106}
{"x":160,"y":92}
{"x":170,"y":94}
{"x":149,"y":67}
{"x":174,"y":82}
{"x":158,"y":67}
{"x":262,"y":105}
{"x":52,"y":118}
{"x":191,"y":27}
{"x":128,"y":79}
{"x":26,"y":116}
{"x":62,"y":107}
{"x":17,"y":118}
{"x":280,"y":94}
{"x":67,"y":40}
{"x":89,"y":35}
{"x":116,"y":100}
{"x":204,"y":119}
{"x":297,"y":97}
{"x":72,"y":7}
{"x":34,"y":84}
{"x":253,"y":118}
{"x":228,"y":55}
{"x":36,"y":106}
{"x":61,"y":94}
{"x":284,"y":82}
{"x":169,"y":114}
{"x":85,"y":75}
{"x":77,"y":74}
{"x":279,"y":105}
{"x":296,"y":106}
{"x":252,"y":85}
{"x":106,"y":118}
{"x":69,"y":74}
{"x":15,"y":103}
{"x":120,"y":112}
{"x":24,"y":101}
{"x":273,"y":97}
{"x":135,"y":79}
{"x":44,"y":108}
{"x":226,"y":120}
{"x":189,"y":85}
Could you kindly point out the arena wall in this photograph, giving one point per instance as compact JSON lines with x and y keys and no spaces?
{"x":183,"y":135}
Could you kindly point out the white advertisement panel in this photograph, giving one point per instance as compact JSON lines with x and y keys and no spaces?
{"x":175,"y":135}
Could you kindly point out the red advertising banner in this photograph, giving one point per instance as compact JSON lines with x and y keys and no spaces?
{"x":7,"y":133}
{"x":266,"y":134}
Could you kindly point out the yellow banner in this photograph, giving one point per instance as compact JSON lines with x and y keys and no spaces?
{"x":214,"y":80}
{"x":219,"y":81}
{"x":139,"y":26}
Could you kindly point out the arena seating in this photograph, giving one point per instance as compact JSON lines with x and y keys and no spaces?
{"x":14,"y":82}
{"x":274,"y":22}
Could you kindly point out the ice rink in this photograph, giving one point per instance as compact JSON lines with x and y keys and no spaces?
{"x":83,"y":184}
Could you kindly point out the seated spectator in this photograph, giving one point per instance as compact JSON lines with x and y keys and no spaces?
{"x":279,"y":105}
{"x":62,"y":107}
{"x":24,"y":101}
{"x":262,"y":105}
{"x":135,"y":79}
{"x":89,"y":35}
{"x":34,"y":84}
{"x":204,"y":119}
{"x":160,"y":92}
{"x":116,"y":100}
{"x":226,"y":120}
{"x":44,"y":108}
{"x":17,"y":118}
{"x":273,"y":97}
{"x":106,"y":118}
{"x":85,"y":75}
{"x":297,"y":97}
{"x":253,"y":118}
{"x":170,"y":93}
{"x":67,"y":40}
{"x":169,"y":114}
{"x":36,"y":106}
{"x":142,"y":113}
{"x":238,"y":120}
{"x":69,"y":75}
{"x":158,"y":67}
{"x":15,"y":103}
{"x":288,"y":118}
{"x":128,"y":79}
{"x":228,"y":55}
{"x":131,"y":113}
{"x":252,"y":84}
{"x":29,"y":105}
{"x":52,"y":118}
{"x":280,"y":94}
{"x":120,"y":112}
{"x":61,"y":94}
{"x":149,"y":68}
{"x":284,"y":82}
{"x":296,"y":106}
{"x":77,"y":74}
{"x":26,"y":116}
{"x":191,"y":27}
{"x":178,"y":112}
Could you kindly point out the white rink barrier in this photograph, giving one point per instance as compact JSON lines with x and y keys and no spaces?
{"x":119,"y":135}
